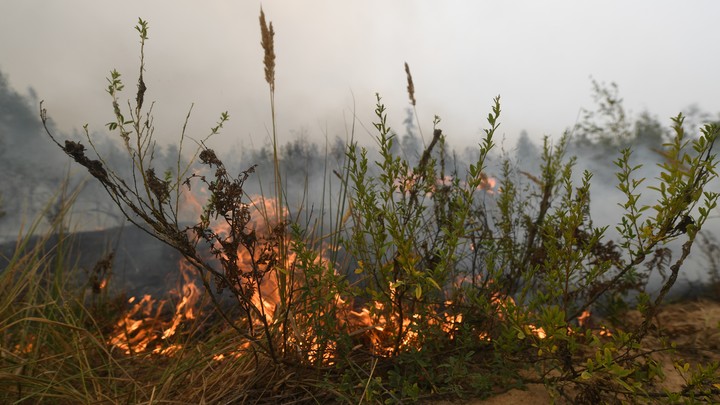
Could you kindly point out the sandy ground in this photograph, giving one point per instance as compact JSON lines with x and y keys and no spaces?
{"x":693,"y":325}
{"x":533,"y":394}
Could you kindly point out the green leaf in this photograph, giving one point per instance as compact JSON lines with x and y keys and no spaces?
{"x":433,"y":282}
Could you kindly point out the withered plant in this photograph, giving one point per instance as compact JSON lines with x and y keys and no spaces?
{"x":152,"y":200}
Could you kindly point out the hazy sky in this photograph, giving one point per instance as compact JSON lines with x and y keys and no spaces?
{"x":334,"y":54}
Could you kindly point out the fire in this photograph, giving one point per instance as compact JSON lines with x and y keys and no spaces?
{"x":539,"y":332}
{"x":27,"y":347}
{"x":263,"y":219}
{"x":584,"y":321}
{"x":488,"y":184}
{"x":583,"y":318}
{"x":147,"y":327}
{"x":405,"y":184}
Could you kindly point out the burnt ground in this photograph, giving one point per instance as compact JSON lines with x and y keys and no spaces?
{"x":141,"y":264}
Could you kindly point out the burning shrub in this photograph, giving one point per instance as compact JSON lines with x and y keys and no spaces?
{"x":457,"y":274}
{"x":524,"y":267}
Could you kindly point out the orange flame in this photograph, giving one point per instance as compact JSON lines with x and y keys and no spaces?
{"x":142,"y":329}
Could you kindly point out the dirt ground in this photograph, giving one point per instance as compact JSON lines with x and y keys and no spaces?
{"x":693,"y":325}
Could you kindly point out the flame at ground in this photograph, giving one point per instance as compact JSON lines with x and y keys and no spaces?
{"x":263,"y":219}
{"x":149,"y":326}
{"x":145,"y":326}
{"x":407,"y":183}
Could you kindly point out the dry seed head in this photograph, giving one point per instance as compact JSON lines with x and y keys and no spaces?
{"x":411,"y":86}
{"x":268,"y":46}
{"x":161,"y":188}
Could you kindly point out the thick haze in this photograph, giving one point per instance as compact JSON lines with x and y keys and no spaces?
{"x":332,"y":54}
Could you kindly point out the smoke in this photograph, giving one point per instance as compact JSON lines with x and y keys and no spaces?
{"x":34,"y":170}
{"x":645,"y":136}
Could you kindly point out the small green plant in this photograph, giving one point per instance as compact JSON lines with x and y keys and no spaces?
{"x":520,"y":272}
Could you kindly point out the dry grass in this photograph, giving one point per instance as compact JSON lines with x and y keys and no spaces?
{"x":410,"y":85}
{"x":268,"y":44}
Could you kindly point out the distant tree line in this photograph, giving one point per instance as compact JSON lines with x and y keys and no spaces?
{"x":31,"y":178}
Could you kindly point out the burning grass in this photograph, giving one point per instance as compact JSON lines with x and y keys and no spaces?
{"x":69,"y":354}
{"x":430,"y":282}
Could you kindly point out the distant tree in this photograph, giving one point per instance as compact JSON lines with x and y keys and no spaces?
{"x":649,"y":132}
{"x":261,"y":157}
{"x":337,"y":150}
{"x":526,"y":150}
{"x":16,"y":114}
{"x":410,"y":144}
{"x":608,"y":125}
{"x":609,"y":128}
{"x":29,"y":166}
{"x":300,"y":158}
{"x":696,"y":117}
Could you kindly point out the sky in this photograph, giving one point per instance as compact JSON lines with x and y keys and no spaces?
{"x":334,"y":55}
